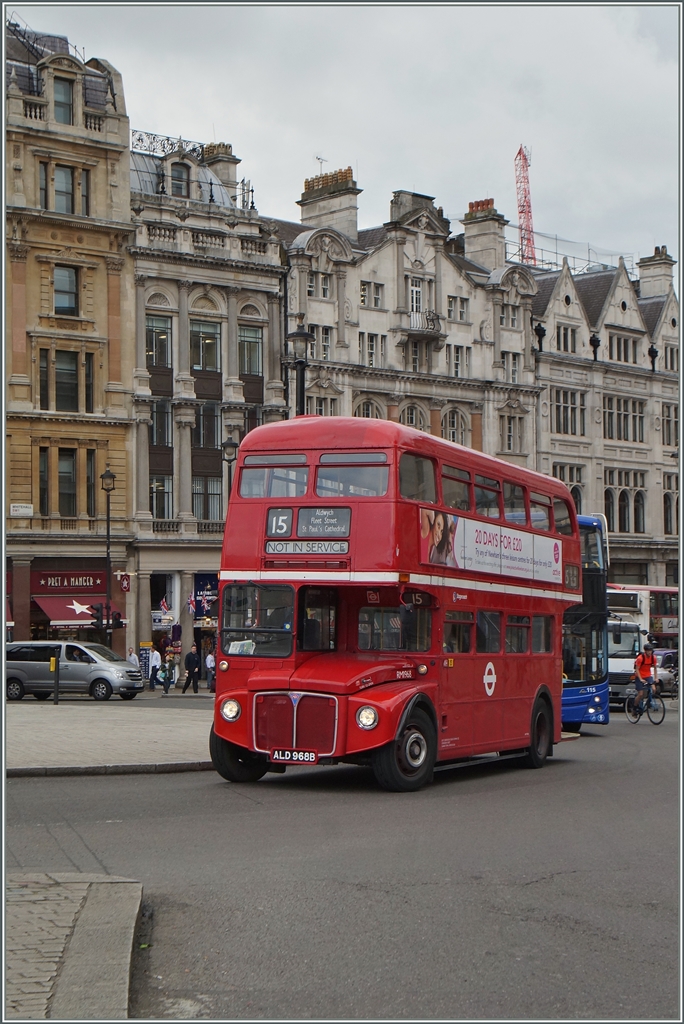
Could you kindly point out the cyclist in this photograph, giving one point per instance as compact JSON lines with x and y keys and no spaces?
{"x":646,"y":670}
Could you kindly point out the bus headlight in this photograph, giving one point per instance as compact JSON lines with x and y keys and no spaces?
{"x":597,"y":700}
{"x":367,"y":717}
{"x":231,"y":710}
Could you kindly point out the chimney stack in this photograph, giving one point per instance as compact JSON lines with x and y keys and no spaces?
{"x":329,"y":201}
{"x":484,"y":235}
{"x":655,"y":273}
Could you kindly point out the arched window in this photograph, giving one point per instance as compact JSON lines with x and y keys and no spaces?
{"x":454,"y":427}
{"x":369,"y":410}
{"x":667,"y":513}
{"x":180,"y":180}
{"x":609,"y":506}
{"x":639,"y":512}
{"x":412,"y":416}
{"x":577,"y":498}
{"x":623,"y":512}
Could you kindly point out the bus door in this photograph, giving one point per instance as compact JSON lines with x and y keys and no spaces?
{"x":317,"y":619}
{"x":456,"y":691}
{"x":488,"y":682}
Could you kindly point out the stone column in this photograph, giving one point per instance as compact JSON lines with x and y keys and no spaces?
{"x":526,"y":313}
{"x":402,"y":304}
{"x":18,"y":255}
{"x":183,"y":328}
{"x":341,"y":299}
{"x":476,"y":428}
{"x":497,"y":305}
{"x":438,"y":281}
{"x":274,"y":400}
{"x":141,"y":378}
{"x":21,"y":598}
{"x":144,"y":607}
{"x":114,"y":267}
{"x":436,"y":419}
{"x":186,"y":620}
{"x":185,"y":421}
{"x":53,"y":477}
{"x":393,"y":408}
{"x":142,"y":462}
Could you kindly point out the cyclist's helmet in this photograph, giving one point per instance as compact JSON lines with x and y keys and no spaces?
{"x":648,"y":647}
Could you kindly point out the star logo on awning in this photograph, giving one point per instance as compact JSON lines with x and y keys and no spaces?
{"x":80,"y":609}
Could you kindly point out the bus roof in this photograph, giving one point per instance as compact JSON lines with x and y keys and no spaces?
{"x":351,"y":432}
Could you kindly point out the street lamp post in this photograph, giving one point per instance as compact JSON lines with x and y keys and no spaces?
{"x":227,"y":448}
{"x":301,"y":339}
{"x":107,"y":479}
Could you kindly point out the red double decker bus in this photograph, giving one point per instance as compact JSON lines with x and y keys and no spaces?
{"x":390,"y":599}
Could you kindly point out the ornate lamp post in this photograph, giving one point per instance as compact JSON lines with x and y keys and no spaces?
{"x":107,"y":479}
{"x":653,"y":355}
{"x":229,"y":451}
{"x":541,"y":334}
{"x":595,"y":343}
{"x":301,"y":339}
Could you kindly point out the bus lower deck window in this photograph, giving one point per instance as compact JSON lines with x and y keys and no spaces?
{"x":488,"y":632}
{"x":517,"y":634}
{"x":541,"y":634}
{"x":406,"y":628}
{"x":458,"y":629}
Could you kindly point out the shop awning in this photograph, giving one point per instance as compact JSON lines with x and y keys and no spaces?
{"x":72,"y":611}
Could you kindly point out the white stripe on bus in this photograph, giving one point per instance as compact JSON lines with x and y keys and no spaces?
{"x":379,"y":578}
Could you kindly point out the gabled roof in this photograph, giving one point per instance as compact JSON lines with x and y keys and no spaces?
{"x":651,"y":310}
{"x":593,"y":288}
{"x":468,"y":266}
{"x":545,"y":286}
{"x":288,"y":230}
{"x":371,"y":238}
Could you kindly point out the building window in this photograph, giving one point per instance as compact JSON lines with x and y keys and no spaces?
{"x":671,"y":574}
{"x":568,"y":474}
{"x":325,"y":342}
{"x":66,"y":291}
{"x":64,"y":101}
{"x":251,"y":347}
{"x":639,"y":512}
{"x":416,"y":295}
{"x":451,"y":307}
{"x":368,"y":410}
{"x":623,"y":350}
{"x":90,"y":482}
{"x":623,"y":419}
{"x":454,"y":427}
{"x":67,"y":481}
{"x":383,"y":349}
{"x":42,"y":171}
{"x":64,"y":189}
{"x":566,"y":339}
{"x":511,"y":362}
{"x":514,"y":316}
{"x":671,"y":356}
{"x":89,"y":381}
{"x":511,"y":433}
{"x":670,"y":503}
{"x":412,"y":416}
{"x":43,"y":476}
{"x":316,"y":406}
{"x":463,"y":310}
{"x":205,"y":345}
{"x":66,"y":381}
{"x":311,"y":285}
{"x":362,"y":348}
{"x":161,"y":497}
{"x":85,"y":193}
{"x":325,"y":286}
{"x":44,"y":379}
{"x":377,"y":296}
{"x":372,"y":349}
{"x":671,"y":425}
{"x":180,"y":180}
{"x":206,"y":432}
{"x":313,"y":343}
{"x":509,"y":316}
{"x":668,"y":518}
{"x":364,"y":293}
{"x":628,"y":573}
{"x":161,"y":427}
{"x":577,"y":498}
{"x":415,"y":356}
{"x":461,"y":361}
{"x":609,"y":509}
{"x":158,"y":341}
{"x":569,"y":412}
{"x":206,"y":497}
{"x":623,"y":512}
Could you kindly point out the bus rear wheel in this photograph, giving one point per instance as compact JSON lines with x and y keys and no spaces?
{"x":233,"y":763}
{"x":407,"y":763}
{"x":541,"y":735}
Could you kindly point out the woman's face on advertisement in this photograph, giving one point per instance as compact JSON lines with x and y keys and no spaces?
{"x":438,"y":529}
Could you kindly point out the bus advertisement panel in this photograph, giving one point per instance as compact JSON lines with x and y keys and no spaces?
{"x":388,"y":599}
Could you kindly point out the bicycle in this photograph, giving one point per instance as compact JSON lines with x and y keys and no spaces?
{"x":654,"y":707}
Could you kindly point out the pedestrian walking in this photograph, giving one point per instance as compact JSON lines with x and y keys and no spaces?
{"x":133,"y":657}
{"x":192,"y":665}
{"x":155,"y":665}
{"x":210,"y":662}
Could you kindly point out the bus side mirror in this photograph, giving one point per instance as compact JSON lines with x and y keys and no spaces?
{"x":617,"y":636}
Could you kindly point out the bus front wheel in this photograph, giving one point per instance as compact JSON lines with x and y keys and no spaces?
{"x":235,"y":764}
{"x":407,"y":763}
{"x":541,"y":734}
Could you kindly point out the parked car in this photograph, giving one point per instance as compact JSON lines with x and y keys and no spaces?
{"x":667,"y":661}
{"x":83,"y":668}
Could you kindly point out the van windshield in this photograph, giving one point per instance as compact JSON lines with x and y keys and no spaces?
{"x":628,"y":645}
{"x":103,"y":652}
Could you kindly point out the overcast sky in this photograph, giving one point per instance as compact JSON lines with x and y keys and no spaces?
{"x":433,"y":99}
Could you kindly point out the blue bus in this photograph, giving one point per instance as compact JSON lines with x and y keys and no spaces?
{"x":585,"y":635}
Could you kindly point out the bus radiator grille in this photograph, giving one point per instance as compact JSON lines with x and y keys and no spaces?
{"x":312,"y":726}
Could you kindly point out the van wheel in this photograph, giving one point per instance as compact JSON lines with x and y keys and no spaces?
{"x":541,"y":736}
{"x":100,"y":690}
{"x":41,"y":696}
{"x":233,"y":763}
{"x":128,"y":696}
{"x":15,"y":689}
{"x":406,"y":763}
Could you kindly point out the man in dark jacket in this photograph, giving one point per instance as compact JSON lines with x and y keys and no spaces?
{"x":192,"y":665}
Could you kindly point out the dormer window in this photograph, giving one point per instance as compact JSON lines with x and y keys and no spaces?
{"x":64,"y":101}
{"x":180,"y":180}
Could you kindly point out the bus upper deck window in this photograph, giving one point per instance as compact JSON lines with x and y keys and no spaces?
{"x":279,"y":476}
{"x":335,"y":481}
{"x":514,"y":504}
{"x":540,"y":511}
{"x":487,"y":497}
{"x":417,"y":478}
{"x":456,"y":488}
{"x":561,"y":517}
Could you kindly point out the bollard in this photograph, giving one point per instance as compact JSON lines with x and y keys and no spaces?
{"x":54,"y":667}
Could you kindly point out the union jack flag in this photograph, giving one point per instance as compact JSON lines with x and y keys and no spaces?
{"x":163,"y":605}
{"x":207,"y":601}
{"x":191,"y":604}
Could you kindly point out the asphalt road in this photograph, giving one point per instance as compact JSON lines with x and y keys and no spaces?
{"x":496,"y":893}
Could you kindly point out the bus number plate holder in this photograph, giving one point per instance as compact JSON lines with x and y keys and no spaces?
{"x":282,"y":755}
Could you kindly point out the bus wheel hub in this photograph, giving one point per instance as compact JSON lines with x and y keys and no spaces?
{"x":415,"y":749}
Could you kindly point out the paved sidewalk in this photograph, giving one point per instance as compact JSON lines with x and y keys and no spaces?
{"x":81,"y":736}
{"x":69,"y":940}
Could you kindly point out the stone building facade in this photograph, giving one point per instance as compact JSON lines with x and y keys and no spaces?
{"x":68,"y":316}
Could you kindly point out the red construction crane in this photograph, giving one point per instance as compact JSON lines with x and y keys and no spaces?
{"x":522,"y":184}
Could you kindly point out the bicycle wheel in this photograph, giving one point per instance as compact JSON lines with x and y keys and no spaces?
{"x":656,"y":710}
{"x":633,"y":715}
